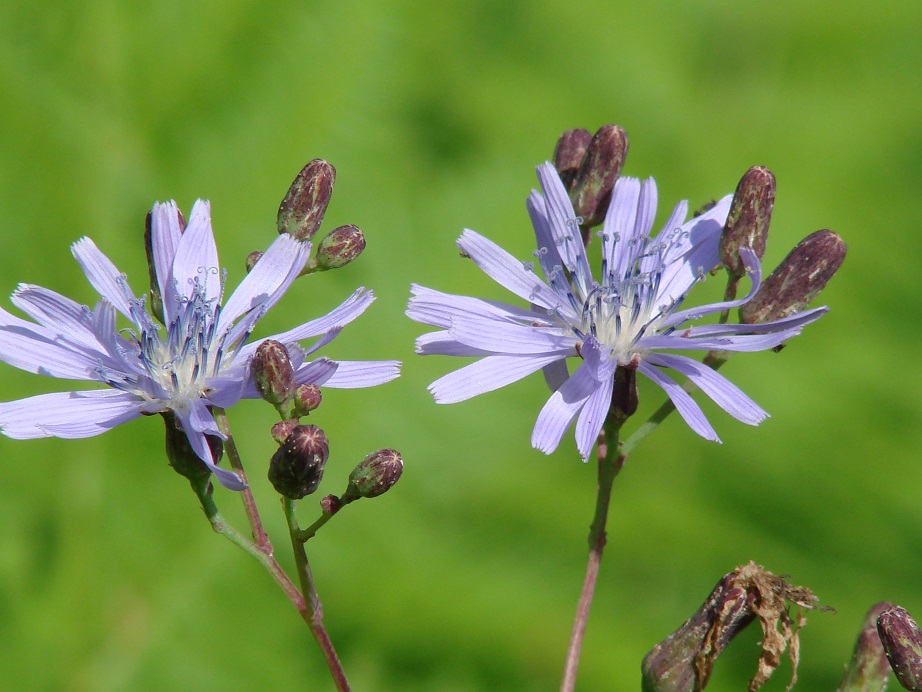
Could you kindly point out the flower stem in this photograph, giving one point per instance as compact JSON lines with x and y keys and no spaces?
{"x":611,"y":460}
{"x":313,"y":618}
{"x":249,"y":503}
{"x":218,"y":523}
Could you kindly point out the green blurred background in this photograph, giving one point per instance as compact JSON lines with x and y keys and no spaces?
{"x":465,"y":576}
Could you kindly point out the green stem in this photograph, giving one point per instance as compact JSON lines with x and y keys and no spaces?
{"x":611,"y":462}
{"x":249,"y":503}
{"x":265,"y":558}
{"x":313,"y":618}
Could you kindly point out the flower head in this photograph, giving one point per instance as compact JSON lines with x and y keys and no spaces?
{"x":631,"y":317}
{"x":199,"y":359}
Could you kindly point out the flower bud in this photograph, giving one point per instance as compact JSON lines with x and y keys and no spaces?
{"x":307,"y":398}
{"x":797,"y":280}
{"x":597,"y":174}
{"x":252,"y":259}
{"x":302,"y":210}
{"x":297,"y":467}
{"x":902,"y":642}
{"x":340,"y":246}
{"x":272,"y":372}
{"x":281,"y":430}
{"x":375,"y":475}
{"x":868,"y":668}
{"x":748,"y":220}
{"x":683,"y":662}
{"x":180,"y":454}
{"x":569,"y":152}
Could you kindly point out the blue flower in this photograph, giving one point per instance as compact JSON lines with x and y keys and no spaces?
{"x":630,"y":318}
{"x":200,"y":359}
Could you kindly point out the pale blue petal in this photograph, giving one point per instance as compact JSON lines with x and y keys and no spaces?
{"x":28,"y":349}
{"x":796,"y":320}
{"x":67,"y":414}
{"x":486,"y":375}
{"x":103,"y":276}
{"x":338,"y":317}
{"x":436,"y":308}
{"x":507,"y":271}
{"x":690,"y":411}
{"x":753,"y":270}
{"x":316,"y":371}
{"x":593,"y":415}
{"x":268,"y":280}
{"x":56,"y":313}
{"x":166,"y":230}
{"x":195,"y":264}
{"x":352,"y":374}
{"x":693,"y":254}
{"x":564,"y":226}
{"x":443,"y":344}
{"x":561,"y":409}
{"x":618,"y":226}
{"x":506,"y":337}
{"x":546,"y":251}
{"x":199,"y":444}
{"x":679,"y":341}
{"x":724,"y":393}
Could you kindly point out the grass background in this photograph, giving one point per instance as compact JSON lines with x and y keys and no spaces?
{"x":464,"y":577}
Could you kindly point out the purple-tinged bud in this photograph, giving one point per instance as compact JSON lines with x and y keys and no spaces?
{"x":307,"y":398}
{"x":748,"y":220}
{"x":868,"y":669}
{"x":303,"y":208}
{"x":597,"y":174}
{"x":569,"y":152}
{"x":797,"y":280}
{"x":156,"y":300}
{"x":902,"y":642}
{"x":281,"y":430}
{"x":683,"y":662}
{"x":330,"y":504}
{"x":252,"y":259}
{"x":374,"y":475}
{"x":297,"y":467}
{"x":272,"y":372}
{"x":180,"y":454}
{"x":340,"y":246}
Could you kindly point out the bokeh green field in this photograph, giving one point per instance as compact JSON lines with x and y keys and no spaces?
{"x":465,"y":576}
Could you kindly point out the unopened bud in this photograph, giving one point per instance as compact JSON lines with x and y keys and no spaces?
{"x":683,"y":662}
{"x":902,"y":642}
{"x":307,"y":398}
{"x":798,"y":279}
{"x":252,"y":259}
{"x":297,"y":467}
{"x":569,"y":152}
{"x":374,"y":475}
{"x":272,"y":372}
{"x":180,"y":454}
{"x":340,"y":246}
{"x":748,"y":220}
{"x":601,"y":166}
{"x":302,"y":210}
{"x":281,"y":430}
{"x":868,"y":670}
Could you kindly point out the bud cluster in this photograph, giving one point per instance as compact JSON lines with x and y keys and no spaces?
{"x":301,"y":213}
{"x":589,"y":165}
